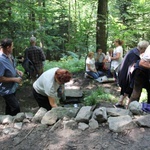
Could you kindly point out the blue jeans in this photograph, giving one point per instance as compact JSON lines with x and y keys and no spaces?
{"x":95,"y":75}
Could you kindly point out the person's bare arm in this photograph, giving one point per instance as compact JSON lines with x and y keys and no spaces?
{"x":116,"y":57}
{"x":89,"y":67}
{"x":8,"y":79}
{"x":145,"y":64}
{"x":52,"y":101}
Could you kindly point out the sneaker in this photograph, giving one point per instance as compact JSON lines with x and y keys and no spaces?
{"x":102,"y":79}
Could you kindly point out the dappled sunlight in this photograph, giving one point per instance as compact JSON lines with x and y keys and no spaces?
{"x":91,"y":86}
{"x":137,"y":134}
{"x":143,"y":97}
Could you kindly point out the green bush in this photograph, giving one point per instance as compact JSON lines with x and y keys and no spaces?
{"x":72,"y":64}
{"x":69,"y":63}
{"x":98,"y":96}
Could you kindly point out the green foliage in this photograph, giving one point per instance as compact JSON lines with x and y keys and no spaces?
{"x":98,"y":96}
{"x":62,"y":26}
{"x":69,"y":63}
{"x":143,"y":97}
{"x":128,"y":21}
{"x":19,"y":67}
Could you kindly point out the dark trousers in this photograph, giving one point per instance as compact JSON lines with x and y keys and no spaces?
{"x":36,"y":73}
{"x":99,"y":66}
{"x":141,"y":80}
{"x":12,"y":104}
{"x":42,"y":100}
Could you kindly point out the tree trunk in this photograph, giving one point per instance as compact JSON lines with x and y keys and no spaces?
{"x":101,"y":32}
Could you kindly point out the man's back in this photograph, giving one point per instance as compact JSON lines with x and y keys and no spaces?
{"x":36,"y":55}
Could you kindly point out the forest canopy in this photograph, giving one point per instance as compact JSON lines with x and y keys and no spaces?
{"x":76,"y":26}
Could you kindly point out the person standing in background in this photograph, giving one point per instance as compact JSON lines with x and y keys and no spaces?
{"x":9,"y":78}
{"x":37,"y":57}
{"x":116,"y":59}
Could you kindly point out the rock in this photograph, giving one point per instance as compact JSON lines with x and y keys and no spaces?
{"x":100,"y":114}
{"x":136,"y":108}
{"x":49,"y":118}
{"x":58,"y":113}
{"x":83,"y":126}
{"x":93,"y":124}
{"x":29,"y":115}
{"x":71,"y":124}
{"x":114,"y":112}
{"x":39,"y":115}
{"x":121,"y":123}
{"x":84,"y":114}
{"x":18,"y":125}
{"x":143,"y":121}
{"x":73,"y":91}
{"x":19,"y":117}
{"x":6,"y":119}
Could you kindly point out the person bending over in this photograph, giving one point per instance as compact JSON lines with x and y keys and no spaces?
{"x":46,"y":86}
{"x":141,"y":77}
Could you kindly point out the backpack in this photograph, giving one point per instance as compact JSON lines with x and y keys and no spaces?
{"x":28,"y":65}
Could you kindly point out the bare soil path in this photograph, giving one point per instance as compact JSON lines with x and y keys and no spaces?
{"x":39,"y":137}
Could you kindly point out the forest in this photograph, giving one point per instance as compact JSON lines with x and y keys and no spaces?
{"x":74,"y":26}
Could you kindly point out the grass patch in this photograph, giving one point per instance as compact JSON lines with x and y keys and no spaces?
{"x":98,"y":96}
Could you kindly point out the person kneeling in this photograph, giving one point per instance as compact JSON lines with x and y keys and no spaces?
{"x":90,"y":67}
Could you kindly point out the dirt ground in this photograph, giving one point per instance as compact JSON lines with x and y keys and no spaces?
{"x":39,"y":137}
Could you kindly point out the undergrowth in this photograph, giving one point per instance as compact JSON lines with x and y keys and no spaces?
{"x":98,"y":96}
{"x":69,"y":63}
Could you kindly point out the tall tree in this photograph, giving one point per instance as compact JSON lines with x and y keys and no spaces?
{"x":101,"y":34}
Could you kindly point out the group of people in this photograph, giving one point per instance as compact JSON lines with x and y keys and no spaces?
{"x":130,"y":72}
{"x":99,"y":64}
{"x":134,"y":74}
{"x":45,"y":86}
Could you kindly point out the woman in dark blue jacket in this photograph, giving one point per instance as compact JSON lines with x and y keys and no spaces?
{"x":126,"y":70}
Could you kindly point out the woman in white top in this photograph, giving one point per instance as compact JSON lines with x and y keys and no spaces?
{"x":90,"y":67}
{"x":117,"y":57}
{"x":45,"y":88}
